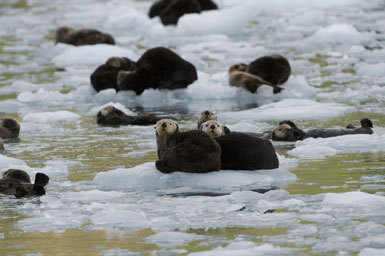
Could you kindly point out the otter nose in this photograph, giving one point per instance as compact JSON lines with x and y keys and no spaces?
{"x":164,"y":125}
{"x":207,"y":113}
{"x":212,"y":127}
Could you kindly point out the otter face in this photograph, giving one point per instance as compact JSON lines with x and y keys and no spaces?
{"x":206,"y":116}
{"x":123,"y":78}
{"x":12,"y":125}
{"x":115,"y":62}
{"x":62,"y":33}
{"x":166,"y":127}
{"x":239,"y":67}
{"x":213,"y":128}
{"x":286,"y":132}
{"x":282,"y":131}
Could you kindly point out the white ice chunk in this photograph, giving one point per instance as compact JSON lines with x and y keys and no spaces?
{"x":354,"y":199}
{"x":372,"y":252}
{"x":289,"y":109}
{"x":338,"y":33}
{"x":91,"y":55}
{"x":323,"y":147}
{"x":51,"y":117}
{"x":173,"y":239}
{"x":95,"y":110}
{"x":10,"y":162}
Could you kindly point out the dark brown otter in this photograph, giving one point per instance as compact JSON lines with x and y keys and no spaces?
{"x":9,"y":128}
{"x":111,"y":116}
{"x":241,"y":151}
{"x":18,"y":183}
{"x":68,"y":35}
{"x":106,"y":75}
{"x":273,"y":68}
{"x":158,"y":68}
{"x":170,"y":11}
{"x":192,"y":151}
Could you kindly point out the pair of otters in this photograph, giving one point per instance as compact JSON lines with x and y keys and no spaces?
{"x":215,"y":147}
{"x":9,"y":129}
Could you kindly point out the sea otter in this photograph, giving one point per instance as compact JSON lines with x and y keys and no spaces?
{"x":68,"y":35}
{"x":241,"y":151}
{"x":273,"y":68}
{"x":239,"y":77}
{"x":9,"y":128}
{"x":111,"y":116}
{"x":192,"y":151}
{"x":158,"y":68}
{"x":105,"y":76}
{"x":18,"y":183}
{"x":205,"y":116}
{"x":170,"y":11}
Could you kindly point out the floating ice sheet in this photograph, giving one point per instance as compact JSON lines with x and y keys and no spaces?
{"x":51,"y":117}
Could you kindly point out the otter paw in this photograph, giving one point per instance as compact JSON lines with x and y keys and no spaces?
{"x":161,"y":166}
{"x":277,"y":89}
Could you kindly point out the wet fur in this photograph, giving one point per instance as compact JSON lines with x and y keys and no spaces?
{"x":9,"y":128}
{"x":158,"y":68}
{"x":192,"y":151}
{"x":105,"y":76}
{"x":274,"y":69}
{"x":111,"y":116}
{"x":170,"y":11}
{"x":82,"y":37}
{"x":17,"y":182}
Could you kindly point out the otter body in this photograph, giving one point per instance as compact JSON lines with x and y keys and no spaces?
{"x":365,"y":128}
{"x":158,"y":68}
{"x":18,"y":183}
{"x":273,"y":68}
{"x":106,"y":75}
{"x":9,"y":128}
{"x":111,"y":116}
{"x":68,"y":35}
{"x":240,"y":76}
{"x":192,"y":151}
{"x":241,"y":151}
{"x":170,"y":11}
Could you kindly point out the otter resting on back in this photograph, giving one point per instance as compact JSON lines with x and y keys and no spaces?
{"x":68,"y":35}
{"x":9,"y":128}
{"x":170,"y":11}
{"x":192,"y":151}
{"x":18,"y":183}
{"x":106,"y":76}
{"x":288,"y":131}
{"x":111,"y":116}
{"x":240,"y":151}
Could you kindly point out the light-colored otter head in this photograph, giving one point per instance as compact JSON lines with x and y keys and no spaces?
{"x":166,"y":127}
{"x":239,"y":67}
{"x":107,"y":110}
{"x":282,"y":131}
{"x":12,"y":125}
{"x":213,"y":128}
{"x":116,"y":62}
{"x":205,"y":116}
{"x":62,"y":33}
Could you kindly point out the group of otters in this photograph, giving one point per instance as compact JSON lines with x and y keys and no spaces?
{"x":209,"y":148}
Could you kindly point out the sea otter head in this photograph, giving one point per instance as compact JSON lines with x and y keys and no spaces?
{"x":17,"y":175}
{"x":213,"y":128}
{"x":166,"y":127}
{"x":205,"y":116}
{"x":62,"y":33}
{"x":12,"y":125}
{"x":288,"y":131}
{"x":239,"y":67}
{"x":115,"y":62}
{"x":110,"y":115}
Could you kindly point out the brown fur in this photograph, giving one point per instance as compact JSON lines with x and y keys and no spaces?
{"x":273,"y":68}
{"x":68,"y":35}
{"x":192,"y":151}
{"x":9,"y":128}
{"x":111,"y":116}
{"x":206,"y":116}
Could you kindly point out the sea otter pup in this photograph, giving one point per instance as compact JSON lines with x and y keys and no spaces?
{"x":158,"y":68}
{"x":111,"y":116}
{"x":240,"y":151}
{"x":273,"y":68}
{"x":9,"y":128}
{"x":170,"y":11}
{"x":238,"y":76}
{"x":105,"y":76}
{"x":18,"y":183}
{"x":68,"y":35}
{"x":192,"y":151}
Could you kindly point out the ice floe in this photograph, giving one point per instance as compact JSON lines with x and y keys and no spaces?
{"x":51,"y":117}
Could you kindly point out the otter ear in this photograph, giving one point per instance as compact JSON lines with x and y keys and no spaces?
{"x":226,"y":130}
